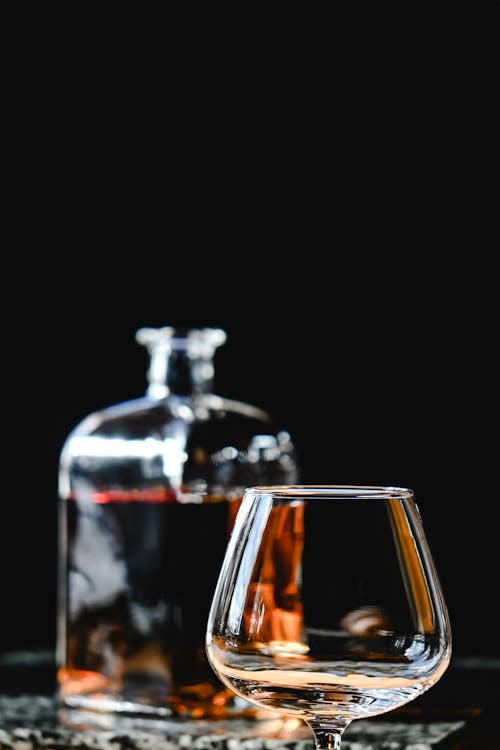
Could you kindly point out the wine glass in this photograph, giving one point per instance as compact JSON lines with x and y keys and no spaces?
{"x":328,"y":607}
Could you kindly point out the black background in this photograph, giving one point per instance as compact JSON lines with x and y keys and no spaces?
{"x":328,"y":196}
{"x":364,"y":344}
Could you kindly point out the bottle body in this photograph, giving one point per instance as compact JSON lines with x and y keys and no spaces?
{"x":149,"y":490}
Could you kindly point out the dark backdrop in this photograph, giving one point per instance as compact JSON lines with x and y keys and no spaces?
{"x":363,"y":341}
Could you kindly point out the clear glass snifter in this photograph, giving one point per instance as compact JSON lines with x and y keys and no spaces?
{"x":328,"y":606}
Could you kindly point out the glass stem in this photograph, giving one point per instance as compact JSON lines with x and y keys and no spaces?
{"x":327,"y":732}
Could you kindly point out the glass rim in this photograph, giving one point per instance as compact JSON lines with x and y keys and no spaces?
{"x":346,"y":491}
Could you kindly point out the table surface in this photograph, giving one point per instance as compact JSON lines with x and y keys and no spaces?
{"x":458,"y":712}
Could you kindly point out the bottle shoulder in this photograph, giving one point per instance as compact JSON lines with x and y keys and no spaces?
{"x":143,"y":415}
{"x":190,"y":441}
{"x":219,"y":406}
{"x":130,"y":411}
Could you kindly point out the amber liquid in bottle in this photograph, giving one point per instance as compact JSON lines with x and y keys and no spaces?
{"x":142,"y":572}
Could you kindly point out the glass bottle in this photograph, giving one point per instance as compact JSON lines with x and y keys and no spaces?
{"x":148,"y":493}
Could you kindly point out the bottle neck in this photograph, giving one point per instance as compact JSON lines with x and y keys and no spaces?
{"x":175,"y":371}
{"x":181,"y":361}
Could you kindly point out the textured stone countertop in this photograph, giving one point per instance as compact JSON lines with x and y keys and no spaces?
{"x":31,"y":719}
